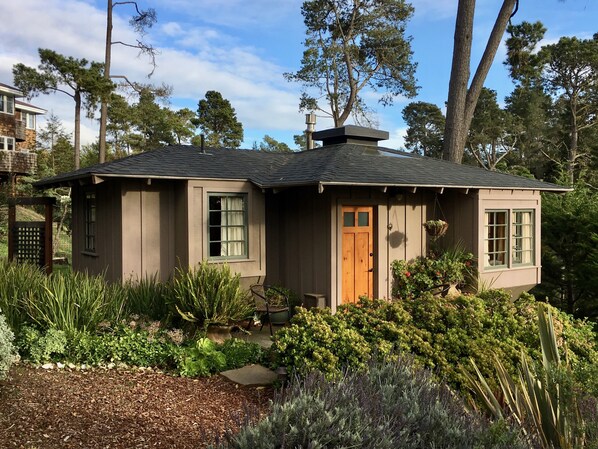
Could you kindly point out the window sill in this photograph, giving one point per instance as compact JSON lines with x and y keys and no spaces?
{"x":226,"y":260}
{"x":90,"y":253}
{"x":511,"y":268}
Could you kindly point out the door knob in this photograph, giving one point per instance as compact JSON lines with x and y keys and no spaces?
{"x":371,"y":270}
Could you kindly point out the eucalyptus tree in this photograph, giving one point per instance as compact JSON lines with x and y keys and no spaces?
{"x":80,"y":79}
{"x":354,"y":46}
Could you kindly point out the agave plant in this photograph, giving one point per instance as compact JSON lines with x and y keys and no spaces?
{"x":537,"y":400}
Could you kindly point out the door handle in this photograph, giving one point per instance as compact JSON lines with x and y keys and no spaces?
{"x":371,"y":270}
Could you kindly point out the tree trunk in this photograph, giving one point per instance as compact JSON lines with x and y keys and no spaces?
{"x":461,"y":100}
{"x":77,"y":97}
{"x":454,"y":129}
{"x":104,"y":106}
{"x":573,"y":142}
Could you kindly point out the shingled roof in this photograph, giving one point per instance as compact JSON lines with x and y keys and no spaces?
{"x":336,"y":164}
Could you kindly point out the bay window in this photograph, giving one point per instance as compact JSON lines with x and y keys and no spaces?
{"x":509,"y":238}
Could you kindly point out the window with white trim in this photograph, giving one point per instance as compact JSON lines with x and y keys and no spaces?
{"x":7,"y":104}
{"x":523,"y":237}
{"x":90,"y":222}
{"x":227,"y":226}
{"x":7,"y":143}
{"x":509,"y":238}
{"x":29,"y":119}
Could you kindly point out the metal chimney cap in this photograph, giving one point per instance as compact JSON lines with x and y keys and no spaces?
{"x":351,"y":134}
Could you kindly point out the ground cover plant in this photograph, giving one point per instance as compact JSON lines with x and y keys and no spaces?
{"x":393,"y":404}
{"x":71,"y":317}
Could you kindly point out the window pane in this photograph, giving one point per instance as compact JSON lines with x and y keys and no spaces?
{"x":10,"y":143}
{"x":363,"y":219}
{"x":349,"y":219}
{"x":495,"y":244}
{"x":10,"y":105}
{"x":90,"y":222}
{"x":227,"y":230}
{"x":523,"y":237}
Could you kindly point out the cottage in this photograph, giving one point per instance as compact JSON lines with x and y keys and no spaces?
{"x":328,"y":220}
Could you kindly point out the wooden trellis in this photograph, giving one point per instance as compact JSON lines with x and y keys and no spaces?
{"x":31,"y":241}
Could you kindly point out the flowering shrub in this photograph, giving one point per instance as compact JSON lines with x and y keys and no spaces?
{"x":427,"y":273}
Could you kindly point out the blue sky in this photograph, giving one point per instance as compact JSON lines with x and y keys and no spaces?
{"x":241,"y":48}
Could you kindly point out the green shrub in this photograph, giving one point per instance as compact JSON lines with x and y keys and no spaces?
{"x":393,"y":405}
{"x":210,"y":294}
{"x":442,"y":333}
{"x":8,"y":354}
{"x":239,"y":353}
{"x":202,"y":359}
{"x":39,"y":347}
{"x":317,"y":339}
{"x":18,"y":282}
{"x":73,"y":301}
{"x":411,"y":278}
{"x":149,"y":297}
{"x":543,"y":400}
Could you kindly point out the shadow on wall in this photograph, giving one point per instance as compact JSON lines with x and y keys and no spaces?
{"x":395,"y":239}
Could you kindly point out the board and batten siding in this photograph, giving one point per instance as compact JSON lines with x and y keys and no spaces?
{"x":107,"y":258}
{"x":148,"y":229}
{"x":299,"y":240}
{"x":304,"y":232}
{"x":251,"y":268}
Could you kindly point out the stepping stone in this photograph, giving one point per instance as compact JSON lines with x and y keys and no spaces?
{"x":251,"y":375}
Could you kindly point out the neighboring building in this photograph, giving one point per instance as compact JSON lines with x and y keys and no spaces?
{"x":328,"y":220}
{"x":17,"y":133}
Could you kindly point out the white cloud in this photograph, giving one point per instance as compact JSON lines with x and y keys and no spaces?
{"x":396,"y":139}
{"x":192,"y":59}
{"x":434,"y":9}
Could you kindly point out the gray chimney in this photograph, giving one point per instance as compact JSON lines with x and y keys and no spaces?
{"x":310,"y":121}
{"x":359,"y":135}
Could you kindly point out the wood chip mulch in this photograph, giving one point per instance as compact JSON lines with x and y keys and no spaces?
{"x":119,"y":409}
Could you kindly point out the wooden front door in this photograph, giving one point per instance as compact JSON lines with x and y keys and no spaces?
{"x":358,"y":252}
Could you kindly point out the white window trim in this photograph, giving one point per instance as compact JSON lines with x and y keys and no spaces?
{"x":245,"y":198}
{"x":25,"y":116}
{"x":510,"y":243}
{"x":4,"y":142}
{"x":5,"y":102}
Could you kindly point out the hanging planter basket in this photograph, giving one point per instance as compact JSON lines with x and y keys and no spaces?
{"x":436,"y":228}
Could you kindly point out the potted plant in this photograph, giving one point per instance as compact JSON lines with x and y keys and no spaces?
{"x":436,"y":228}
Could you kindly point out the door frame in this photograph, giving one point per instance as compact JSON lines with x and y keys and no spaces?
{"x":379,"y":260}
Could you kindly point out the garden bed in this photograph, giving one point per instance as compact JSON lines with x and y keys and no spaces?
{"x":115,"y":409}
